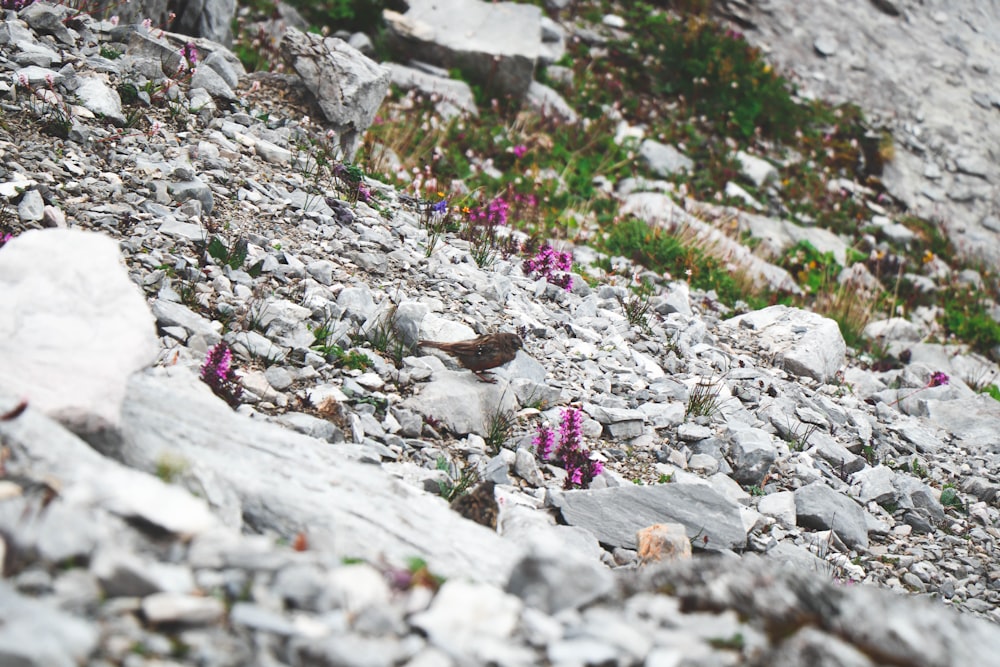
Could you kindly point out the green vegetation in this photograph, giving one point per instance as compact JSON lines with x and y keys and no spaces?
{"x":684,"y":81}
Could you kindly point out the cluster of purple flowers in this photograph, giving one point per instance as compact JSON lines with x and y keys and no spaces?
{"x":552,"y":264}
{"x":493,"y":214}
{"x":218,"y":373}
{"x":938,"y":379}
{"x":519,"y":151}
{"x":16,"y":5}
{"x":581,"y":469}
{"x":189,"y":52}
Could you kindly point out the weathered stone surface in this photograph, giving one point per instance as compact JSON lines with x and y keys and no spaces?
{"x":471,"y":402}
{"x":34,"y":633}
{"x":662,"y":159}
{"x":98,"y":482}
{"x":663,"y":542}
{"x":614,"y":515}
{"x":551,"y":579}
{"x":75,"y":326}
{"x":495,"y":43}
{"x":453,"y":97}
{"x":803,"y":343}
{"x":289,"y":479}
{"x":874,"y":485}
{"x":753,"y":451}
{"x":211,"y":19}
{"x":820,"y":507}
{"x":349,"y":87}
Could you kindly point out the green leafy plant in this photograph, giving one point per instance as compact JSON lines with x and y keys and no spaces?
{"x":232,"y":257}
{"x":713,"y":70}
{"x":799,"y":440}
{"x":950,"y":498}
{"x":662,"y":252}
{"x":918,"y":469}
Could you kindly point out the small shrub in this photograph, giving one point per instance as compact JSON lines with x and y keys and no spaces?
{"x":499,"y":429}
{"x":704,"y":400}
{"x":456,"y":486}
{"x":949,"y":497}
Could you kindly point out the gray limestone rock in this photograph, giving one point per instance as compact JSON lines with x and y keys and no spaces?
{"x":552,"y":579}
{"x":461,"y":402}
{"x":211,"y":19}
{"x":36,"y":634}
{"x":874,"y":485}
{"x":348,"y":86}
{"x":494,"y":43}
{"x":803,"y":343}
{"x":452,"y":97}
{"x":753,"y":452}
{"x":75,"y":326}
{"x":98,"y":97}
{"x":216,"y":86}
{"x":819,"y":507}
{"x":615,"y":514}
{"x":662,"y":159}
{"x":283,"y":481}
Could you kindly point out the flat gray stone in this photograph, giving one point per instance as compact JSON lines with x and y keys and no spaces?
{"x":819,"y":507}
{"x":461,"y":402}
{"x":614,"y":515}
{"x":494,"y":43}
{"x":662,"y":159}
{"x":97,"y":96}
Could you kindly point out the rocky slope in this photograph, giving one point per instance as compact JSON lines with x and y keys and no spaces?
{"x":926,"y":72}
{"x":145,"y":521}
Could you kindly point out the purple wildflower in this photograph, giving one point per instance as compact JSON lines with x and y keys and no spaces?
{"x":938,"y":379}
{"x":570,"y":429}
{"x":440,"y":207}
{"x":364,"y":193}
{"x":581,"y":469}
{"x":218,"y":373}
{"x":190,"y":53}
{"x":5,"y":239}
{"x":519,"y":151}
{"x":544,"y":442}
{"x":493,"y":215}
{"x":547,"y":262}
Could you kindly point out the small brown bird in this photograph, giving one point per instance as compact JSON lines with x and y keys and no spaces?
{"x":482,"y":353}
